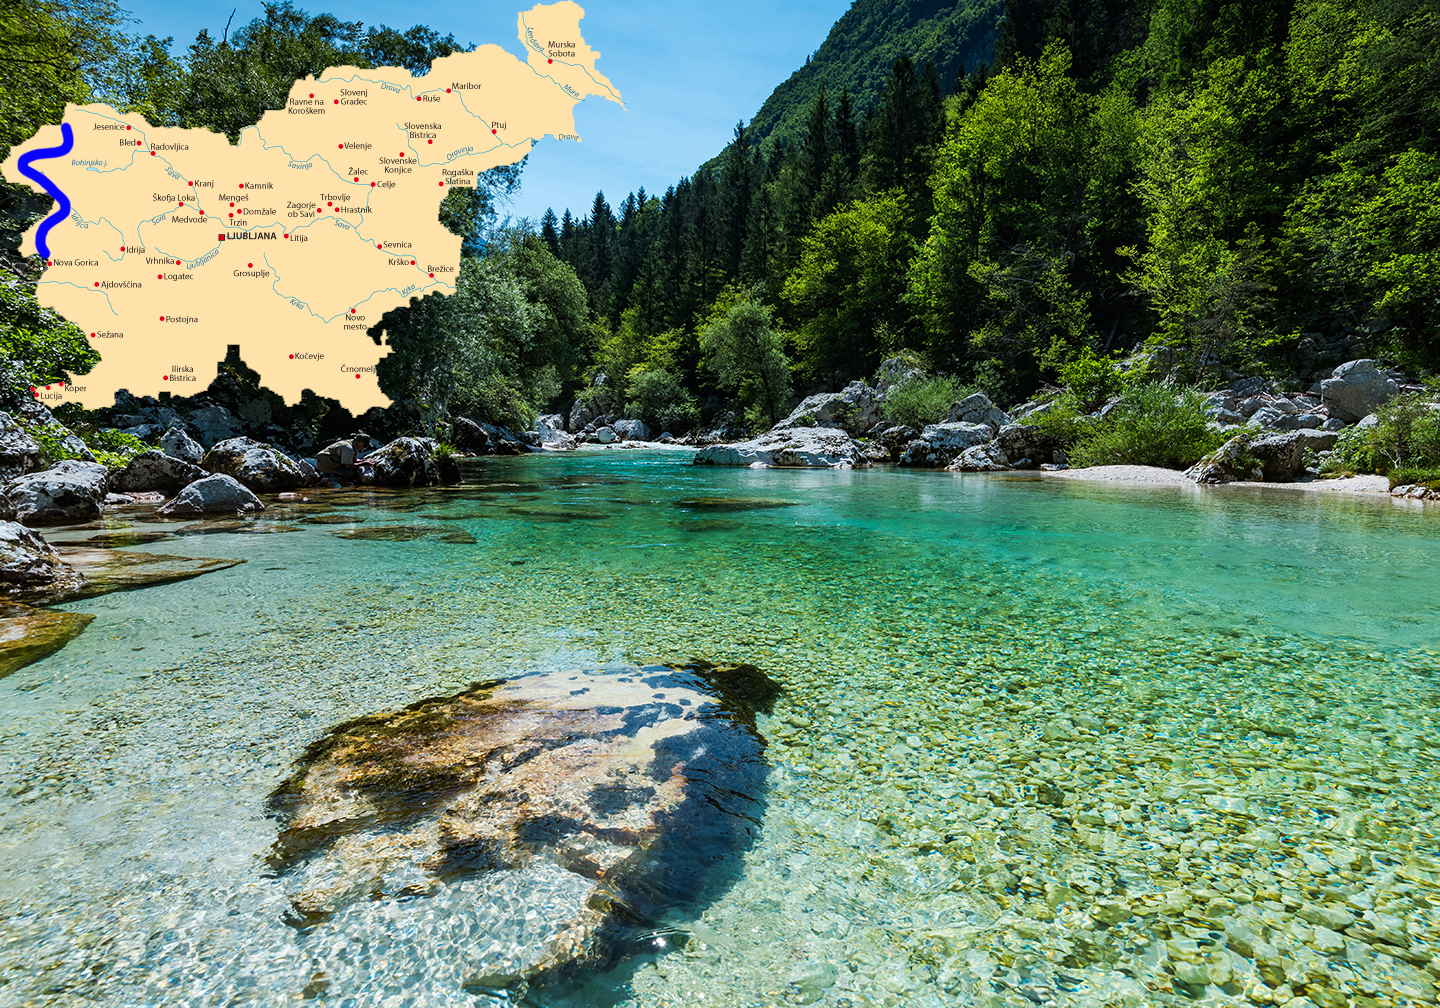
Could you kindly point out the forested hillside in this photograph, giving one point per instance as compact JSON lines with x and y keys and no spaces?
{"x":1221,"y":186}
{"x":857,"y":54}
{"x":1228,"y":186}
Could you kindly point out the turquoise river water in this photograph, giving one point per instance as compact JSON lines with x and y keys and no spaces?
{"x":1042,"y":741}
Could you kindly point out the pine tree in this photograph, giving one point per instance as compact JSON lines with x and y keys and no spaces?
{"x":737,"y":189}
{"x":548,"y":232}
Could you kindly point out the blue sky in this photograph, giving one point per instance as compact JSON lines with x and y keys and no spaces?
{"x":688,"y":70}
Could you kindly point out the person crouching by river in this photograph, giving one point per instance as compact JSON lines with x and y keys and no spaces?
{"x":343,"y":460}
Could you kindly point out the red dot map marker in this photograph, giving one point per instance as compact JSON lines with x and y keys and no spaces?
{"x":159,"y":276}
{"x":249,"y":265}
{"x":292,"y":356}
{"x":165,"y":377}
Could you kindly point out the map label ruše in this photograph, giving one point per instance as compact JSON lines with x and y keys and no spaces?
{"x":293,"y":242}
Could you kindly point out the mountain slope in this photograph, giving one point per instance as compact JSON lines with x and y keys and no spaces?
{"x":871,"y":35}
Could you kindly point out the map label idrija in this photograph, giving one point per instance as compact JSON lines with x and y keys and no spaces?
{"x":318,"y":221}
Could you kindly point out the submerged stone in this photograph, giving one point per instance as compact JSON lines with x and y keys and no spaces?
{"x":331,"y":519}
{"x":107,"y":570}
{"x":733,"y":503}
{"x":27,"y":635}
{"x":563,"y":814}
{"x":404,"y":533}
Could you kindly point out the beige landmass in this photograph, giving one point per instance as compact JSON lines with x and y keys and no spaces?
{"x":293,"y":242}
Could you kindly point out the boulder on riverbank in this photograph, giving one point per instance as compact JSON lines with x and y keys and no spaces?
{"x":258,"y":466}
{"x":215,"y":494}
{"x":940,"y":444}
{"x":791,"y":448}
{"x":19,"y":452}
{"x":1356,"y":389}
{"x":28,"y":562}
{"x":156,"y":470}
{"x":179,"y":445}
{"x":68,"y":492}
{"x":564,"y":812}
{"x":412,"y":462}
{"x":854,"y":410}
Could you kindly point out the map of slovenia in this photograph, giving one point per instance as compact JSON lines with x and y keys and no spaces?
{"x":296,"y":240}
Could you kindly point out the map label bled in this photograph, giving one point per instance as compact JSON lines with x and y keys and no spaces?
{"x":290,"y":235}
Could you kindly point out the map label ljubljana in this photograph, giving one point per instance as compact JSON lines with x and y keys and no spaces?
{"x":174,"y":244}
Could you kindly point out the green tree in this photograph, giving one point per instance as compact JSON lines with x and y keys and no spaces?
{"x":849,"y":286}
{"x":747,"y":356}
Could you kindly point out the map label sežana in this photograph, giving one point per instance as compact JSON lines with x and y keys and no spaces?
{"x":317,"y":222}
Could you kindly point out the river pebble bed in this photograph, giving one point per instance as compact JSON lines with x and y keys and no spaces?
{"x":1041,"y":743}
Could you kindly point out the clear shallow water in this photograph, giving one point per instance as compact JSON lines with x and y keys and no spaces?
{"x":1017,"y":709}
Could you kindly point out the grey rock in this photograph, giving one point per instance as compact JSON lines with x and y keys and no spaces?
{"x":797,"y":447}
{"x":1368,"y":421}
{"x":70,"y":491}
{"x":1281,"y":455}
{"x":854,"y":410}
{"x":981,"y":458}
{"x":892,"y":372}
{"x":1227,"y":418}
{"x":1226,"y":463}
{"x":522,"y":787}
{"x":977,"y":409}
{"x":1310,"y":421}
{"x":1019,"y":441}
{"x":665,"y":438}
{"x":551,"y":429}
{"x":939,"y":444}
{"x":155,"y":470}
{"x":180,"y":445}
{"x":504,"y":441}
{"x":411,"y":462}
{"x":1333,"y":424}
{"x":632,"y":430}
{"x":217,"y":494}
{"x":19,"y":452}
{"x":1245,"y":388}
{"x":75,"y":448}
{"x":469,"y":436}
{"x":215,"y":424}
{"x":1247,"y":407}
{"x":1217,"y":402}
{"x":603,"y":435}
{"x":1285,"y":405}
{"x":28,"y":561}
{"x":1357,"y":388}
{"x":259,"y":466}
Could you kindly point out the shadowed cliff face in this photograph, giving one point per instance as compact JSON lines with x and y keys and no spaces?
{"x":572,"y":809}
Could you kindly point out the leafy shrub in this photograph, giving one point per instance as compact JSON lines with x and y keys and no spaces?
{"x":111,"y":447}
{"x":1151,"y":424}
{"x":916,"y":402}
{"x":1407,"y":436}
{"x":657,"y":397}
{"x":1411,"y":476}
{"x":1091,"y":379}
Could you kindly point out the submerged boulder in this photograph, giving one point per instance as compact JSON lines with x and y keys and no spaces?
{"x":27,"y":635}
{"x":790,"y":448}
{"x":259,"y":466}
{"x":69,"y":491}
{"x":215,"y":494}
{"x":561,"y":814}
